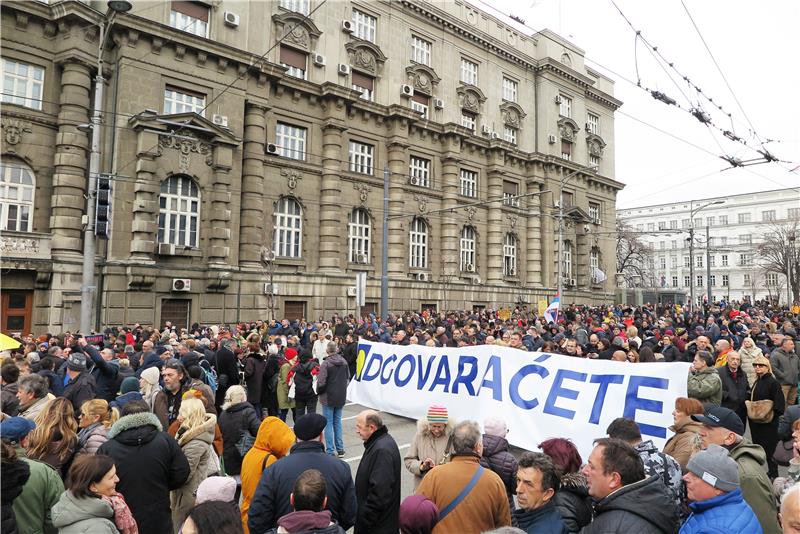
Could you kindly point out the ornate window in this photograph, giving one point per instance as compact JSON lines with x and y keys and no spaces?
{"x":468,"y":181}
{"x":418,"y":248}
{"x":295,"y":61}
{"x":364,"y":26}
{"x":594,"y":265}
{"x":17,"y":187}
{"x":298,"y":6}
{"x":510,"y":134}
{"x":178,"y":100}
{"x":467,"y":249}
{"x":421,"y":103}
{"x":419,"y":170}
{"x":468,"y":120}
{"x":510,"y":255}
{"x":361,"y":157}
{"x":358,"y":236}
{"x":291,"y":141}
{"x":287,"y":236}
{"x":22,"y":84}
{"x":509,"y":90}
{"x":565,"y":107}
{"x":179,"y":212}
{"x":420,"y":50}
{"x":191,"y":17}
{"x":469,"y":72}
{"x":365,"y":84}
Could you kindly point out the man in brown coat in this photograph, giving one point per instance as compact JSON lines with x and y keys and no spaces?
{"x":470,"y":499}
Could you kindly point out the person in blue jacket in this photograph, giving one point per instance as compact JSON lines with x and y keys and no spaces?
{"x":717,"y":505}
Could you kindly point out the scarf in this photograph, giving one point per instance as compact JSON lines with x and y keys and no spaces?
{"x":123,"y":518}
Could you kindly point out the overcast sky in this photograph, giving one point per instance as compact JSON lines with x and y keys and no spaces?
{"x":756,"y":45}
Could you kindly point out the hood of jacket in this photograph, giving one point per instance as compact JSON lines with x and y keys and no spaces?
{"x":275,"y":437}
{"x":238,"y":407}
{"x":305,"y":520}
{"x":135,"y":429}
{"x":645,"y":499}
{"x":494,"y":444}
{"x":575,"y":483}
{"x":204,"y":431}
{"x":69,"y":510}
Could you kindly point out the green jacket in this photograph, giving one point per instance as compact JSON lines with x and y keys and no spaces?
{"x":756,"y":487}
{"x":284,"y":402}
{"x":39,"y":494}
{"x":705,"y":386}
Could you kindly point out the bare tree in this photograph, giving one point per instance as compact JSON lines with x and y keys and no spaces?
{"x":633,"y":256}
{"x":779,"y":249}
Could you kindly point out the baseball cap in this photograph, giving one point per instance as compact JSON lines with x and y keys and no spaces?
{"x":718,"y":416}
{"x":14,"y":429}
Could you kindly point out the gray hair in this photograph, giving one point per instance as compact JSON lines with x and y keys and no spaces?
{"x":35,"y":384}
{"x":331,"y":348}
{"x":466,"y":436}
{"x":505,"y":530}
{"x":234,"y":395}
{"x":793,"y":493}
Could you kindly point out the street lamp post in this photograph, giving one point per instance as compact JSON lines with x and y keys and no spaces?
{"x":789,"y":257}
{"x":692,"y":213}
{"x":87,"y":281}
{"x":560,"y":261}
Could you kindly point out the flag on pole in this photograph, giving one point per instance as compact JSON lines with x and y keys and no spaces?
{"x":598,"y":275}
{"x":551,"y":313}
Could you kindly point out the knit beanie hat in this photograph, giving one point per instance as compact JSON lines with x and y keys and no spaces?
{"x":418,"y":515}
{"x":128,"y":385}
{"x":151,"y":375}
{"x":216,"y":489}
{"x":437,"y":414}
{"x":715,"y":466}
{"x":495,"y":427}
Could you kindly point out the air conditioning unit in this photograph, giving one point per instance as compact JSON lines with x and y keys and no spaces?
{"x":272,"y":148}
{"x":495,"y":135}
{"x":319,"y":60}
{"x":351,"y":291}
{"x":413,"y":180}
{"x":344,"y":70}
{"x":558,"y":99}
{"x":551,"y":139}
{"x":406,"y":90}
{"x":347,"y":26}
{"x":572,"y":282}
{"x":438,"y":103}
{"x":166,"y":249}
{"x":181,"y":284}
{"x":361,"y":258}
{"x":422,"y":277}
{"x":270,"y":289}
{"x":231,"y":19}
{"x":485,"y":129}
{"x":220,"y":120}
{"x":470,"y":267}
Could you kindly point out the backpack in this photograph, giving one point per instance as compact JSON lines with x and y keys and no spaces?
{"x":209,"y":375}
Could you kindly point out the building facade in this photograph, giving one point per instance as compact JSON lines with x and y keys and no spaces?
{"x":242,"y":131}
{"x":735,"y":225}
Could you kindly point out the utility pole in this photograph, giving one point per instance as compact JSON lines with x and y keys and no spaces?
{"x":789,"y":257}
{"x":691,"y":262}
{"x":385,"y":246}
{"x":708,"y":265}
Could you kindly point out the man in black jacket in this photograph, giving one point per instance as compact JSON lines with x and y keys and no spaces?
{"x":105,"y":370}
{"x":271,"y":500}
{"x":377,"y":478}
{"x":227,"y":371}
{"x":150,"y":464}
{"x":80,"y":385}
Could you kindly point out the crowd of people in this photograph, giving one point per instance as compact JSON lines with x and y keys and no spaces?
{"x":238,"y":428}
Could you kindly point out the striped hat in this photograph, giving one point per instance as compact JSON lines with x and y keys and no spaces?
{"x":437,"y":414}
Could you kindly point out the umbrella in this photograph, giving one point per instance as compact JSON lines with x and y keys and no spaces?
{"x":8,"y":343}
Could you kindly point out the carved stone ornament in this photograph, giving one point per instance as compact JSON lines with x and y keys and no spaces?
{"x":363,"y":191}
{"x":512,"y":221}
{"x":566,"y":60}
{"x":292,"y":177}
{"x":186,"y":147}
{"x":14,"y":128}
{"x":470,"y":98}
{"x":423,"y":203}
{"x":365,"y":56}
{"x":13,"y":245}
{"x":422,"y":78}
{"x":296,"y":35}
{"x":512,"y":114}
{"x":364,"y":60}
{"x":297,"y":31}
{"x":567,"y":129}
{"x":595,"y":145}
{"x":471,"y":211}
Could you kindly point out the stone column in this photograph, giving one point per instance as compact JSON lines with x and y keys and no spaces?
{"x":582,"y":256}
{"x":398,"y":228}
{"x":251,"y":232}
{"x":332,"y":221}
{"x":68,"y":201}
{"x":495,"y":227}
{"x":451,"y":227}
{"x":548,"y":236}
{"x":146,"y":192}
{"x":533,"y":236}
{"x":219,"y":250}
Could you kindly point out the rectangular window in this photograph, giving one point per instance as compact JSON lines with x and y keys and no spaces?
{"x":419,"y":170}
{"x":698,"y":222}
{"x":724,"y":260}
{"x":725,"y":280}
{"x":594,"y":212}
{"x":651,"y":227}
{"x":510,"y":193}
{"x":22,"y":84}
{"x":568,"y":199}
{"x":745,"y":259}
{"x":746,"y":239}
{"x":361,"y":157}
{"x":699,"y":280}
{"x":189,"y":17}
{"x":698,"y":261}
{"x":420,"y":50}
{"x":744,"y":218}
{"x":594,"y":161}
{"x":712,"y":281}
{"x":640,"y":228}
{"x":686,"y":281}
{"x":687,"y":262}
{"x":182,"y":101}
{"x":662,"y":263}
{"x":565,"y":108}
{"x":468,"y":120}
{"x":291,"y":141}
{"x":566,"y":150}
{"x":723,"y":241}
{"x":793,"y":213}
{"x":712,"y":261}
{"x":673,"y":262}
{"x":298,"y":6}
{"x":364,"y":26}
{"x":469,"y":72}
{"x":509,"y":89}
{"x":674,"y":245}
{"x":768,"y":215}
{"x":421,"y":103}
{"x":661,"y":245}
{"x":673,"y":225}
{"x":674,"y":281}
{"x":746,"y":279}
{"x":710,"y":241}
{"x":295,"y":61}
{"x":510,"y":134}
{"x":365,"y":84}
{"x":723,"y":220}
{"x":468,"y":181}
{"x":662,"y":225}
{"x":593,"y":123}
{"x":684,"y":223}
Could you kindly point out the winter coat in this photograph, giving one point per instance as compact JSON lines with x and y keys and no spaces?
{"x":755,"y":484}
{"x":91,"y":438}
{"x":13,"y":476}
{"x":332,"y":381}
{"x":58,"y":462}
{"x":544,"y":520}
{"x":80,"y":389}
{"x":271,"y":499}
{"x":423,"y":446}
{"x":378,"y":485}
{"x":150,"y":464}
{"x":87,"y":515}
{"x":486,"y":506}
{"x":767,"y":388}
{"x":723,"y":514}
{"x":303,"y":374}
{"x":32,"y":411}
{"x":274,"y":439}
{"x":284,"y":402}
{"x":33,"y":507}
{"x":163,"y":400}
{"x":785,"y":366}
{"x":666,"y":467}
{"x":306,"y":522}
{"x":272,"y":374}
{"x":748,"y":356}
{"x":672,"y":354}
{"x":350,"y":354}
{"x":734,"y":390}
{"x":227,"y":373}
{"x":705,"y":386}
{"x":254,"y":366}
{"x":685,"y":442}
{"x":124,"y":399}
{"x":9,"y":403}
{"x":105,"y":374}
{"x":635,"y":508}
{"x":573,"y":502}
{"x":233,"y":423}
{"x":497,"y":458}
{"x":786,"y":421}
{"x":196,"y":446}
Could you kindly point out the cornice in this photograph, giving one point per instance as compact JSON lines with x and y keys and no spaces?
{"x":558,"y":68}
{"x":604,"y":98}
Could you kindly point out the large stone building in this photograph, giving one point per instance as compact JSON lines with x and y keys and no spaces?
{"x":234,"y":126}
{"x":736,"y":225}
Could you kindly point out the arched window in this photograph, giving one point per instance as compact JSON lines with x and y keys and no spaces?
{"x":418,"y":254}
{"x":17,"y":185}
{"x":467,"y":249}
{"x":358,"y":236}
{"x":288,"y":228}
{"x":510,"y":255}
{"x":179,"y":212}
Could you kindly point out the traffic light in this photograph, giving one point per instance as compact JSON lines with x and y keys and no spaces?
{"x":102,"y":218}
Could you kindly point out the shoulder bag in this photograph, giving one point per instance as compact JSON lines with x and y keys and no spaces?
{"x":461,"y":496}
{"x":759,"y":411}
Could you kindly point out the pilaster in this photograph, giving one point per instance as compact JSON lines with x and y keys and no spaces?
{"x":331,"y":211}
{"x":251,"y":234}
{"x":398,"y":241}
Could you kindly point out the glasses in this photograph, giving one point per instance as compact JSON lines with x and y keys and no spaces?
{"x":759,"y":365}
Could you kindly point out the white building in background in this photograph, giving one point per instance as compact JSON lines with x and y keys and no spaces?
{"x":735,"y":229}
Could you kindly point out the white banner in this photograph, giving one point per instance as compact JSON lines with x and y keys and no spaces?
{"x":539,"y":395}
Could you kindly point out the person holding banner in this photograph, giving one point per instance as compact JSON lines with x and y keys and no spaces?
{"x":432,"y":444}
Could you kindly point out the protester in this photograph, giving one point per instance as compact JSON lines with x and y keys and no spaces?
{"x":149,"y":463}
{"x":105,"y":370}
{"x":418,"y":515}
{"x":712,"y":484}
{"x":285,"y":404}
{"x":469,"y":497}
{"x":734,"y":386}
{"x":786,"y":368}
{"x":218,"y":488}
{"x":537,"y":484}
{"x":33,"y":396}
{"x":149,"y":386}
{"x":128,"y":391}
{"x":236,"y":419}
{"x":9,"y":377}
{"x":79,"y":385}
{"x":685,"y":441}
{"x":55,"y":439}
{"x":431,"y":445}
{"x":167,"y":402}
{"x":790,"y":511}
{"x":332,"y":382}
{"x":14,"y":474}
{"x":308,"y":502}
{"x":704,"y":382}
{"x":95,"y":421}
{"x":572,"y":499}
{"x":497,"y":457}
{"x":748,"y":353}
{"x":764,"y":430}
{"x":304,"y":374}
